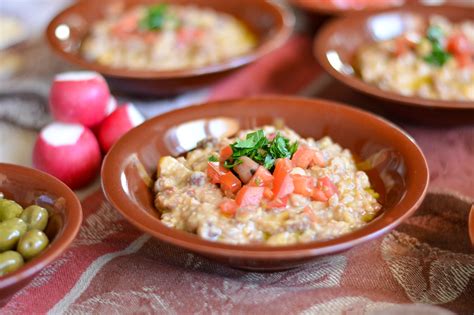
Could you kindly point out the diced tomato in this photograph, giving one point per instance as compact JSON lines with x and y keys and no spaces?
{"x":458,"y":44}
{"x":249,"y":196}
{"x":304,"y":185}
{"x":309,"y":212}
{"x":464,"y":60}
{"x":282,"y":183}
{"x":186,"y":34}
{"x":319,"y":195}
{"x":228,"y":207}
{"x":327,"y":186}
{"x":226,"y":153}
{"x":215,"y":172}
{"x":268,"y":193}
{"x":305,"y":157}
{"x":230,"y":183}
{"x":126,"y":24}
{"x":262,"y":177}
{"x":402,"y":46}
{"x":277,"y":203}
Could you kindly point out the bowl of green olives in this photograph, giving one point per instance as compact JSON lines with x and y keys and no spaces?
{"x":39,"y":218}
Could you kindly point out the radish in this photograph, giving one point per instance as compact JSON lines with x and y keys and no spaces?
{"x":69,"y":152}
{"x":117,"y":124}
{"x":79,"y":97}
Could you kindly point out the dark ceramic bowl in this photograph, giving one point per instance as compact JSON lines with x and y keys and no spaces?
{"x":28,"y":186}
{"x":269,"y":21}
{"x":337,"y":43}
{"x":401,"y":175}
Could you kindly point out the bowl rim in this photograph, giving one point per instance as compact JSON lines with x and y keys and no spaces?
{"x":276,"y":40}
{"x":352,"y":81}
{"x":331,"y":9}
{"x":57,"y":247}
{"x":111,"y":186}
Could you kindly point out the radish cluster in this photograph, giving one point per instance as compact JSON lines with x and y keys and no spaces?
{"x":87,"y":121}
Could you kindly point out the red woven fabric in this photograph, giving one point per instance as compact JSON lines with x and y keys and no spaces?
{"x":113,"y":268}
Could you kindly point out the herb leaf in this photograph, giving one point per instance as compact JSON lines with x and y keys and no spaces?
{"x":213,"y":158}
{"x":155,"y":17}
{"x":438,"y":55}
{"x":257,"y":147}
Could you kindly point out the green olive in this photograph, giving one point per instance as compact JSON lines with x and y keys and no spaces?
{"x":36,"y":217}
{"x":32,"y":244}
{"x":16,"y":223}
{"x":9,"y":262}
{"x":9,"y":237}
{"x":9,"y":209}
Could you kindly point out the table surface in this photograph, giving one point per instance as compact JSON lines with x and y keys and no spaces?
{"x":449,"y":151}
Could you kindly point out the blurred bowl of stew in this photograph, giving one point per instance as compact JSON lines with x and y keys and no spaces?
{"x":165,"y":47}
{"x":27,"y":186}
{"x":400,"y":173}
{"x":344,"y":7}
{"x":408,"y":57}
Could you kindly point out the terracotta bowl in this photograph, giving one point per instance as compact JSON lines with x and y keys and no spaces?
{"x":28,"y":186}
{"x":269,"y":21}
{"x":337,"y":7}
{"x":337,"y":43}
{"x":401,"y":175}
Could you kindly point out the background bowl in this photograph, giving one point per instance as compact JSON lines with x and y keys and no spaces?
{"x":343,"y":8}
{"x":28,"y":186}
{"x":401,"y":174}
{"x":269,"y":21}
{"x":337,"y":43}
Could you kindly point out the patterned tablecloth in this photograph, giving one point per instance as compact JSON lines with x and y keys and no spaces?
{"x":426,"y":266}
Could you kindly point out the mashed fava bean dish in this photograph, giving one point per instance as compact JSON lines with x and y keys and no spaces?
{"x":435,"y":61}
{"x":167,"y":37}
{"x":265,"y":186}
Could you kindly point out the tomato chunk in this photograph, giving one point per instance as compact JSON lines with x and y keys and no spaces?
{"x":228,"y":207}
{"x":262,"y":177}
{"x":319,"y":195}
{"x":268,"y":193}
{"x":458,"y":44}
{"x":305,"y":157}
{"x":226,"y":153}
{"x":230,"y":183}
{"x":283,"y":183}
{"x":304,"y":185}
{"x":277,"y":203}
{"x":327,"y":186}
{"x":249,"y":196}
{"x":464,"y":60}
{"x":215,"y":172}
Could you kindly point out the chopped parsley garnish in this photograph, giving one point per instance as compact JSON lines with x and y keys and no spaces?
{"x":263,"y":151}
{"x":213,"y":158}
{"x":438,"y":55}
{"x":155,"y":17}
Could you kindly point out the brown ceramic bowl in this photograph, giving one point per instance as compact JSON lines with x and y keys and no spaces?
{"x":28,"y":186}
{"x":129,"y":168}
{"x":269,"y":21}
{"x":340,"y":8}
{"x":337,"y":43}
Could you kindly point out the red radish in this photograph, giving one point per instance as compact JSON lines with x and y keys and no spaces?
{"x":117,"y":124}
{"x":79,"y":97}
{"x":68,"y":151}
{"x":111,"y":106}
